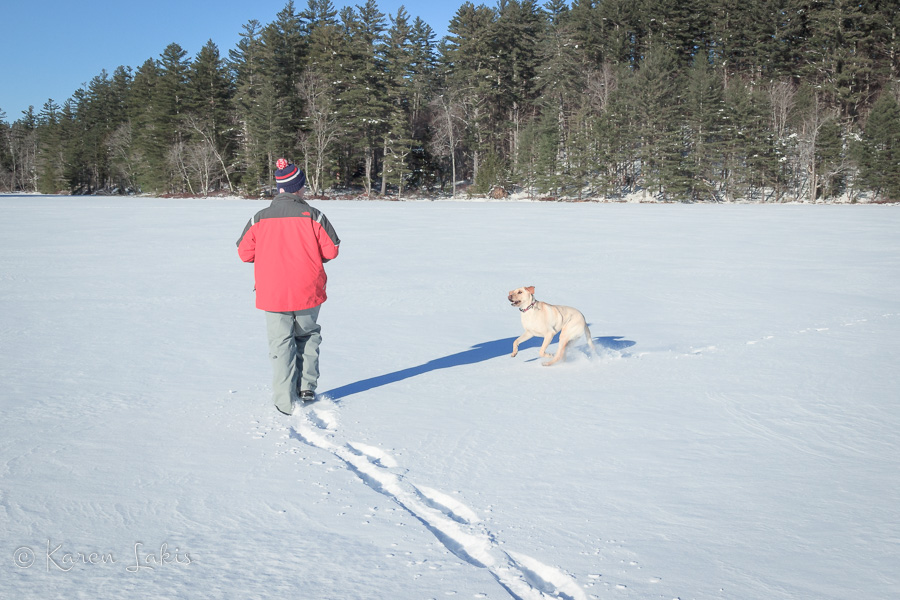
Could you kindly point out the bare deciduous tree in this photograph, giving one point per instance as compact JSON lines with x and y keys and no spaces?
{"x":322,"y":127}
{"x":210,"y":147}
{"x":782,"y":95}
{"x":6,"y":174}
{"x":601,"y":83}
{"x":21,"y":144}
{"x":202,"y":163}
{"x":121,"y":150}
{"x":448,"y":117}
{"x":176,"y":160}
{"x":811,"y":124}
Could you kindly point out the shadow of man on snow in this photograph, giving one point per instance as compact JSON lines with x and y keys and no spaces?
{"x":475,"y":354}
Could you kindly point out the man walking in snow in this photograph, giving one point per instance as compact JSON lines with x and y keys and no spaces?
{"x":288,"y":244}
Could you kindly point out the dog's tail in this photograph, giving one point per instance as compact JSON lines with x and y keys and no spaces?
{"x":590,"y":340}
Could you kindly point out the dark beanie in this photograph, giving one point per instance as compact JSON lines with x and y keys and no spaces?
{"x":289,"y":177}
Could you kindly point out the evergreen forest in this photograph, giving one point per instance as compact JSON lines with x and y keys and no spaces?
{"x":690,"y":101}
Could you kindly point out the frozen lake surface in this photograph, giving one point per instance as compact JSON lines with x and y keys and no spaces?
{"x":737,"y":437}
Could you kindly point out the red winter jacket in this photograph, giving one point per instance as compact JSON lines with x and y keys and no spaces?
{"x":288,"y":243}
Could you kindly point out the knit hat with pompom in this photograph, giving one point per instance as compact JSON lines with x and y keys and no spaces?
{"x":289,"y":177}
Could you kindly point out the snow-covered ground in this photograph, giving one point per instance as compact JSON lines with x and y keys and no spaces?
{"x":737,"y":437}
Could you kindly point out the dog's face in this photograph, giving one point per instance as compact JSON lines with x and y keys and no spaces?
{"x":522,"y":296}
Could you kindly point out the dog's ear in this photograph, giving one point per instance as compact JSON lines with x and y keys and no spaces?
{"x":530,"y":289}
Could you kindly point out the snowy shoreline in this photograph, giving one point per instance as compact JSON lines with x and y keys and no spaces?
{"x":635,"y":198}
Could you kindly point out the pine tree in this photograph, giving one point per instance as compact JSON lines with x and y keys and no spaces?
{"x":97,"y":111}
{"x":704,"y":108}
{"x":654,"y":97}
{"x":469,"y":71}
{"x":325,"y":42}
{"x":147,"y":141}
{"x":170,"y":107}
{"x":683,"y":26}
{"x":51,"y":158}
{"x":101,"y":109}
{"x":119,"y":90}
{"x":421,"y":89}
{"x":563,"y":79}
{"x":583,"y":151}
{"x":620,"y":37}
{"x":172,"y":99}
{"x":285,"y":52}
{"x":596,"y":138}
{"x":327,"y":56}
{"x":833,"y":46}
{"x":398,"y":142}
{"x":253,"y":107}
{"x":24,"y":148}
{"x":518,"y":38}
{"x":588,"y":32}
{"x":754,"y":39}
{"x":544,"y":144}
{"x":363,"y":104}
{"x":879,"y":151}
{"x":210,"y":92}
{"x":749,"y":158}
{"x":885,"y":19}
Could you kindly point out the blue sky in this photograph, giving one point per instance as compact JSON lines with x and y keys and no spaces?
{"x":50,"y":49}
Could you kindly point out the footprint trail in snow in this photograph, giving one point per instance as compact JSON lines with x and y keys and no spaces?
{"x":453,"y":523}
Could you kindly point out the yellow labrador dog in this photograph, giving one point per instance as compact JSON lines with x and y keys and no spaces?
{"x":546,"y":320}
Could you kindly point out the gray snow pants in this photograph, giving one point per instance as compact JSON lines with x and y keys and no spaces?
{"x":294,"y":339}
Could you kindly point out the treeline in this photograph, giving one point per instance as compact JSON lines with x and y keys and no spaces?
{"x":709,"y":100}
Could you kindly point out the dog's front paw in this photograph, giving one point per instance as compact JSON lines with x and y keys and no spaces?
{"x":513,"y":355}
